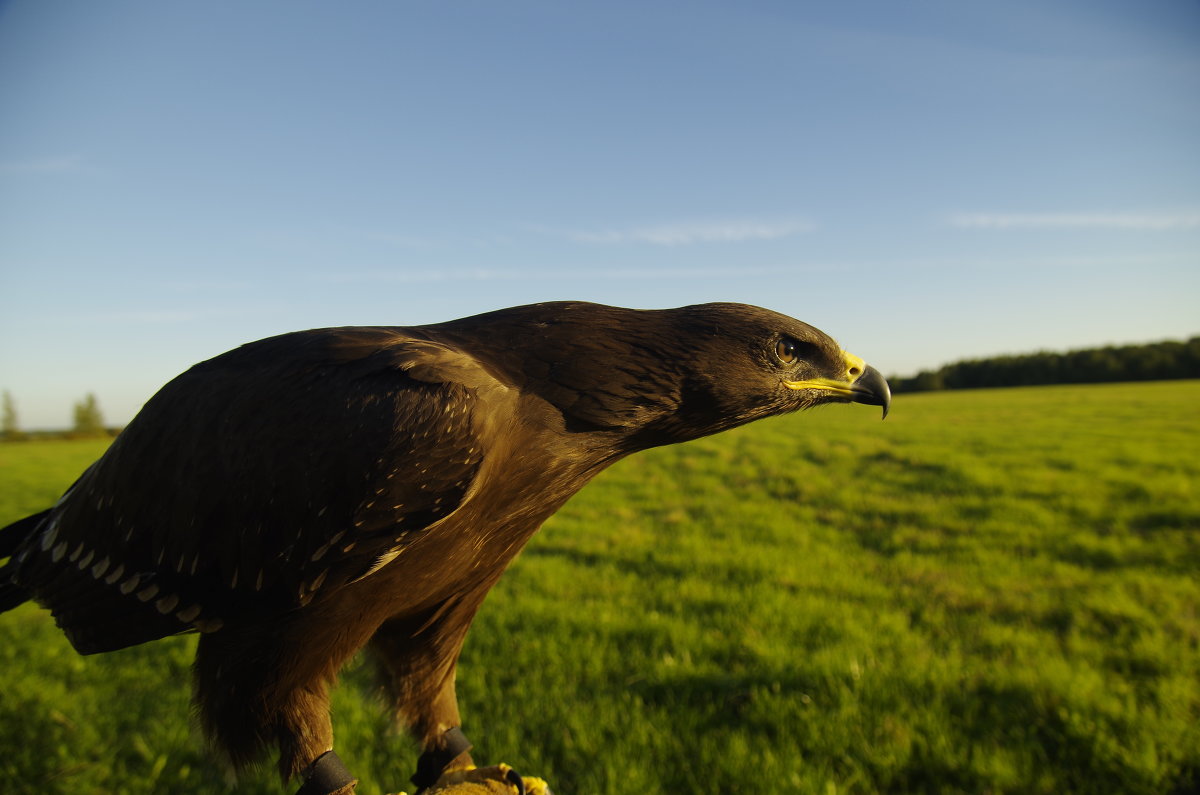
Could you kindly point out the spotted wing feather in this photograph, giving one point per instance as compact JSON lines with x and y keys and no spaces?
{"x":329,"y":450}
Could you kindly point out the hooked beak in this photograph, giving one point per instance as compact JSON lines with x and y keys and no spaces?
{"x":868,"y":387}
{"x":872,"y":389}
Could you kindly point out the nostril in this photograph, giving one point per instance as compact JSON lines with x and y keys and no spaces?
{"x":855,"y":371}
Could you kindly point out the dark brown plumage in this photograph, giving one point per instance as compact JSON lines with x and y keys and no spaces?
{"x":304,"y":496}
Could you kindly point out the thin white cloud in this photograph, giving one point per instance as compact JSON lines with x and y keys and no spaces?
{"x":423,"y":275}
{"x":1140,"y":221}
{"x":145,"y":316}
{"x":388,"y":237}
{"x":623,"y":274}
{"x":166,"y":316}
{"x":208,"y":286}
{"x":693,"y":232}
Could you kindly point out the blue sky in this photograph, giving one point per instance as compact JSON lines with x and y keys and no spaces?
{"x":926,"y":181}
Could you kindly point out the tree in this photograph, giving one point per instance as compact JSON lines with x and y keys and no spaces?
{"x":1150,"y":361}
{"x":10,"y":428}
{"x":88,"y":419}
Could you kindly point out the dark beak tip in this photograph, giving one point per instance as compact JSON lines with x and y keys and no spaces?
{"x":873,"y":390}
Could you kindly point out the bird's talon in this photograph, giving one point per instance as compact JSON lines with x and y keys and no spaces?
{"x":495,"y":780}
{"x":528,"y":785}
{"x":536,"y":786}
{"x":514,"y":778}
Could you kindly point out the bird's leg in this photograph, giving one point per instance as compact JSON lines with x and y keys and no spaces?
{"x":303,"y":729}
{"x":418,"y":655}
{"x":327,"y":776}
{"x":450,"y":752}
{"x":244,"y":707}
{"x":418,"y":663}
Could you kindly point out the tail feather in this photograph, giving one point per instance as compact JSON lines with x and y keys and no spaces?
{"x":14,"y":535}
{"x":11,"y":594}
{"x":11,"y":538}
{"x":94,"y":614}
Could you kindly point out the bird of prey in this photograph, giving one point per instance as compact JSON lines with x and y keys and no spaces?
{"x":304,"y":496}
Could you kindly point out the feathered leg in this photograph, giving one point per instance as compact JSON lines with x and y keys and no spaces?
{"x":253,"y":691}
{"x":417,"y":657}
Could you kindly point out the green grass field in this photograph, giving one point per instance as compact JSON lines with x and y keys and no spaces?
{"x":992,"y":591}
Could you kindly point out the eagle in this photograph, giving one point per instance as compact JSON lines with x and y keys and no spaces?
{"x":303,"y":497}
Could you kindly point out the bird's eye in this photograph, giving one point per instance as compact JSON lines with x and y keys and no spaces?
{"x":786,"y":350}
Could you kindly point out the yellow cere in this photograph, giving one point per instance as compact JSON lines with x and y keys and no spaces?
{"x":854,"y":368}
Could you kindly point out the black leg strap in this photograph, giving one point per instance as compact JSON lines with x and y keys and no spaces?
{"x":326,"y":775}
{"x":433,"y":763}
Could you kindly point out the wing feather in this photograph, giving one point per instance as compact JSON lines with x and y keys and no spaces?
{"x":258,"y":480}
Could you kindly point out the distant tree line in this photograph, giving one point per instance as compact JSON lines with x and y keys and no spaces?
{"x":88,"y":421}
{"x":1149,"y":362}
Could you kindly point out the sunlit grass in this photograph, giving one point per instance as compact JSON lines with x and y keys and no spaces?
{"x":990,"y":591}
